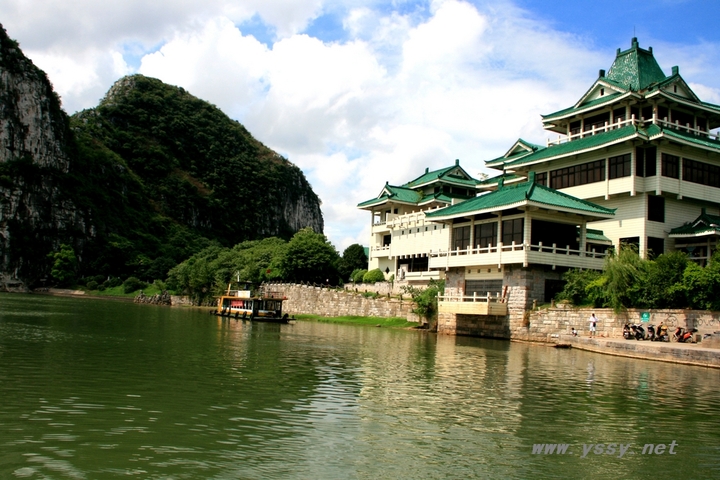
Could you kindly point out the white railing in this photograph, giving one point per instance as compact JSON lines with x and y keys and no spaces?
{"x":607,"y":126}
{"x":488,"y":298}
{"x":513,"y":247}
{"x":432,"y":274}
{"x":594,"y":130}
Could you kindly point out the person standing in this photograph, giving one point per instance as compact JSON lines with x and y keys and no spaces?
{"x":593,"y":324}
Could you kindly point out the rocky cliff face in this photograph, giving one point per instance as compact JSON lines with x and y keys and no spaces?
{"x":34,"y":212}
{"x":135,"y":185}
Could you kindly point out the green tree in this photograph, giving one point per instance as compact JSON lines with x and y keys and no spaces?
{"x":702,"y":284}
{"x":64,"y":265}
{"x":622,"y":272}
{"x":425,"y":299}
{"x":310,"y":257}
{"x":373,"y":276}
{"x":576,"y":289}
{"x":661,"y":286}
{"x":353,"y":258}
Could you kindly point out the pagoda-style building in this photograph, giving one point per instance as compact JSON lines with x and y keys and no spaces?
{"x":634,"y":161}
{"x":637,"y":141}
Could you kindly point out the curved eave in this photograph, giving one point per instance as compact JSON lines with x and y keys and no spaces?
{"x":509,"y":168}
{"x":590,"y":216}
{"x":371,"y":206}
{"x":499,"y":162}
{"x":704,"y":106}
{"x":696,"y":143}
{"x":469,"y":183}
{"x":703,"y":233}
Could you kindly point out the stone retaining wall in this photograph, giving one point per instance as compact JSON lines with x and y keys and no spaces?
{"x":544,"y":325}
{"x":330,"y":302}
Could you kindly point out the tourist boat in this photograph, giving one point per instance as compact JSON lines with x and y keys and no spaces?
{"x":243,"y":304}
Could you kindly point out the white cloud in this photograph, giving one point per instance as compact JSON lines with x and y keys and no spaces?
{"x":408,"y":88}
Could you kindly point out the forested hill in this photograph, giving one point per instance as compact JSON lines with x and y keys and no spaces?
{"x":137,"y":184}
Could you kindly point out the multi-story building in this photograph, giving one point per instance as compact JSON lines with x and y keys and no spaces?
{"x":635,"y":161}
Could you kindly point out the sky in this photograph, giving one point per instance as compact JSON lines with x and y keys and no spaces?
{"x":361,"y":92}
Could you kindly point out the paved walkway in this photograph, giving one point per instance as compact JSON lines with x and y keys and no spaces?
{"x":685,"y":353}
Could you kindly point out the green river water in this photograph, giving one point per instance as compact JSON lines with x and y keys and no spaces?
{"x":95,"y":389}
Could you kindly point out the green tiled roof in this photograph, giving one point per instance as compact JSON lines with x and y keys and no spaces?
{"x":575,"y":146}
{"x":591,"y":104}
{"x":398,"y":194}
{"x":521,"y":149}
{"x":521,"y":194}
{"x":597,"y":236}
{"x":703,"y":225}
{"x":701,"y":141}
{"x":506,"y":177}
{"x":443,"y":174}
{"x":635,"y":68}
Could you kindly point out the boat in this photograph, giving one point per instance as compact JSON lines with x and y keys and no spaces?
{"x":244,"y":304}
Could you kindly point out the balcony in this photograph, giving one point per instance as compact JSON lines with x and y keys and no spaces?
{"x":424,"y":276}
{"x":379,"y":251}
{"x":524,"y":254}
{"x":472,"y":305}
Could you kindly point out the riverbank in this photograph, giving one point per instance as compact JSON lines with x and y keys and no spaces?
{"x":392,"y":322}
{"x":670,"y":352}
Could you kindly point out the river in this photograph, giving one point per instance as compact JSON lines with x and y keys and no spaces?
{"x":95,"y":389}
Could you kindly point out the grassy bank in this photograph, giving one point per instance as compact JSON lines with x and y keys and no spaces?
{"x":374,"y":321}
{"x":119,"y":291}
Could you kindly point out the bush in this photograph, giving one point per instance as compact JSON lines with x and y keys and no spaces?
{"x":133,"y":284}
{"x":373,"y":276}
{"x":92,"y":285}
{"x":425,"y":299}
{"x":357,"y":275}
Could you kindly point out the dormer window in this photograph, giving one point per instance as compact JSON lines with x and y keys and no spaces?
{"x":675,"y":88}
{"x":602,"y":92}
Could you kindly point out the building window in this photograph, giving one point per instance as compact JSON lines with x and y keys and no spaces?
{"x":541,"y":178}
{"x":670,"y":166}
{"x":656,"y":209}
{"x":619,"y":166}
{"x":645,"y":162}
{"x":486,"y":234}
{"x":512,"y":231}
{"x":656,"y":246}
{"x":578,"y":175}
{"x":702,"y":173}
{"x":461,"y":238}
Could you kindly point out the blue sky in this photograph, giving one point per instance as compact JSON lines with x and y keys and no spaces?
{"x":360,"y":92}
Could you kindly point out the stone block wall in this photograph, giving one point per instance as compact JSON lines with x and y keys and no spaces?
{"x":541,"y":325}
{"x":329,"y":302}
{"x":474,"y":325}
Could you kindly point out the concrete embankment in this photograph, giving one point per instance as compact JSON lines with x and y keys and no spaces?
{"x":683,"y":353}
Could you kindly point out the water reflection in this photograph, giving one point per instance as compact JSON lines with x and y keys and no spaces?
{"x":96,"y":389}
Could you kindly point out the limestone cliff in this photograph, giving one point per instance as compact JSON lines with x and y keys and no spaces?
{"x":35,"y":214}
{"x":137,"y":184}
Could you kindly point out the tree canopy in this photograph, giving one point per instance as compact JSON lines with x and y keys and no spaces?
{"x":627,"y":281}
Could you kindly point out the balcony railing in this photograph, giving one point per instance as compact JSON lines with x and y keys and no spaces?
{"x":517,"y":253}
{"x":473,"y":305}
{"x":607,"y":126}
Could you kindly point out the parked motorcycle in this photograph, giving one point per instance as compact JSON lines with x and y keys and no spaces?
{"x":638,"y":332}
{"x":651,"y":333}
{"x":627,"y":332}
{"x":687,"y":336}
{"x":661,"y":335}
